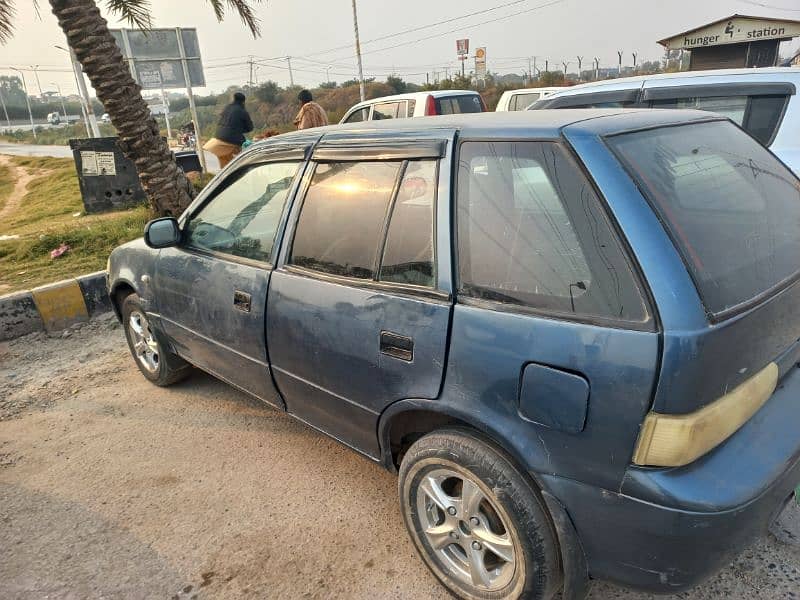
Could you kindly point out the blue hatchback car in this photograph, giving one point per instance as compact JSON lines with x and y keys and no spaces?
{"x":573,"y":333}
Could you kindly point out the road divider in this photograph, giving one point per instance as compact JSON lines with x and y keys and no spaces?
{"x":54,"y":306}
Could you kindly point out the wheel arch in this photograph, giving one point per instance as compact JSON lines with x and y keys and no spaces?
{"x":120,"y":289}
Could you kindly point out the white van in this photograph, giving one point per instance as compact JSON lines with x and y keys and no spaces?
{"x":417,"y":104}
{"x":522,"y":98}
{"x":762,"y":101}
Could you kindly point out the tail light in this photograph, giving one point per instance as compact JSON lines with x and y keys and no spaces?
{"x":430,"y":106}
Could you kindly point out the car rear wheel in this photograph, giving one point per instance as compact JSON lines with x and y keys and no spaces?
{"x":476,"y":521}
{"x":156,"y":363}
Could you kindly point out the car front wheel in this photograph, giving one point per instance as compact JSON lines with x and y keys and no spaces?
{"x":477,"y":523}
{"x":156,"y":363}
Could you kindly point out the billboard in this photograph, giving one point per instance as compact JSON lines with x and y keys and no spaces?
{"x":480,"y":62}
{"x":735,"y":29}
{"x":155,"y":57}
{"x":462,"y":47}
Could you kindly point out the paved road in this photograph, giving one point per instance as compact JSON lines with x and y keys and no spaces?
{"x":111,"y":487}
{"x":65,"y":152}
{"x":35,"y":150}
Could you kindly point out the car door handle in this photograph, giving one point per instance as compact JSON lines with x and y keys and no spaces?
{"x":397,"y":346}
{"x":241,"y":301}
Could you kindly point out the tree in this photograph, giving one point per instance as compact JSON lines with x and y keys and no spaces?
{"x":397,"y":84}
{"x":268,"y":92}
{"x":168,"y":190}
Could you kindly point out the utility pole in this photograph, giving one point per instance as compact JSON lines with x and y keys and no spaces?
{"x":546,"y":68}
{"x":530,"y":71}
{"x":192,"y":107}
{"x":165,"y":102}
{"x":619,"y":67}
{"x":250,"y":62}
{"x":63,"y":107}
{"x":634,"y":61}
{"x":291,"y":75}
{"x":565,"y":68}
{"x":38,"y":84}
{"x":361,"y":89}
{"x":3,"y":103}
{"x":328,"y":75}
{"x":427,"y":78}
{"x":27,"y":99}
{"x":447,"y":72}
{"x":580,"y":62}
{"x":596,"y":68}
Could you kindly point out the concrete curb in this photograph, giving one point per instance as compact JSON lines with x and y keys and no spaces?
{"x":54,"y":306}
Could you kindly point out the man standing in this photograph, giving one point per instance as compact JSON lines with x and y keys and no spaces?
{"x":233,"y":123}
{"x":311,"y":114}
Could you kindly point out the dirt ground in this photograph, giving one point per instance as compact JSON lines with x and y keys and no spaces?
{"x":113,"y":488}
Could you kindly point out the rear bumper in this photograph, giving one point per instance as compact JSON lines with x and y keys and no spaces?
{"x":669,"y":529}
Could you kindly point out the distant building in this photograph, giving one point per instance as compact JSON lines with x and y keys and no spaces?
{"x":736,"y":41}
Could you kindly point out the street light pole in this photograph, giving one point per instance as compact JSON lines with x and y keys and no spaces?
{"x":63,"y":107}
{"x":619,"y":67}
{"x":27,"y":100}
{"x":86,"y":104}
{"x":361,"y":89}
{"x":38,"y":84}
{"x":5,"y":112}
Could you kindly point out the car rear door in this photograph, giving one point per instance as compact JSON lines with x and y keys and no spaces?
{"x":212,"y":288}
{"x":359,"y":305}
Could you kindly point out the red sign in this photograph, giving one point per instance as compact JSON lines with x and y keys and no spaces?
{"x":462,"y":47}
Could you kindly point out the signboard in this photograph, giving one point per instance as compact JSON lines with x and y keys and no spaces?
{"x":462,"y":48}
{"x":736,"y":29}
{"x":97,"y":163}
{"x":480,"y":62}
{"x":155,"y":57}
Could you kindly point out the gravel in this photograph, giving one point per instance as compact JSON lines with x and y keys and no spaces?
{"x":113,"y":488}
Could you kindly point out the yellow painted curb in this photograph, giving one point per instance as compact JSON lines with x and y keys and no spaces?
{"x":60,"y":304}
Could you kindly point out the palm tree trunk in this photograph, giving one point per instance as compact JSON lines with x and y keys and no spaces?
{"x":167,"y":188}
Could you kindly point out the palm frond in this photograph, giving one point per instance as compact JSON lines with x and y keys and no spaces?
{"x":7,"y":13}
{"x":244,"y":8}
{"x":135,"y":12}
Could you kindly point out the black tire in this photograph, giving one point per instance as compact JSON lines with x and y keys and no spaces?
{"x":522,"y":514}
{"x":167,"y":368}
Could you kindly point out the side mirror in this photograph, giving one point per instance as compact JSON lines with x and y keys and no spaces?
{"x":162,"y":233}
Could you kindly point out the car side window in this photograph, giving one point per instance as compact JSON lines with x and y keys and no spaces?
{"x":341,"y":220}
{"x":243,"y":218}
{"x":411,"y":105}
{"x":408,"y":254}
{"x":732,"y":107}
{"x":385,"y":110}
{"x":362,"y":114}
{"x":531,"y":232}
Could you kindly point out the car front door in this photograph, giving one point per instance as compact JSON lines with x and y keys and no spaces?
{"x":360,"y":303}
{"x":212,"y":288}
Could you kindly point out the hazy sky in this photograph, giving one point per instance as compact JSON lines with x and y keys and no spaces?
{"x":559,"y":31}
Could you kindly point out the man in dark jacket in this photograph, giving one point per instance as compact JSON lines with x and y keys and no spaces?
{"x":233,"y":123}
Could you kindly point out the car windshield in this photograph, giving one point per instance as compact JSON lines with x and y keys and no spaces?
{"x":732,"y":209}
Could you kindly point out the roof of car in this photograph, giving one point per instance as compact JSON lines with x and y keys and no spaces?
{"x":530,"y":124}
{"x":415,"y":96}
{"x":772,"y":73}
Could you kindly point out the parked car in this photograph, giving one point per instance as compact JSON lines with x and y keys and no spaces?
{"x":105,"y":118}
{"x":522,"y":98}
{"x":574,"y":334}
{"x":417,"y":104}
{"x":762,"y":101}
{"x":53,"y":118}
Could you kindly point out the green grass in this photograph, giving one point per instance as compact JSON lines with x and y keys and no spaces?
{"x":6,"y":185}
{"x":45,"y":220}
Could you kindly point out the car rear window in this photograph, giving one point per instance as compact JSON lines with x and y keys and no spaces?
{"x":453,"y":105}
{"x":731,"y":208}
